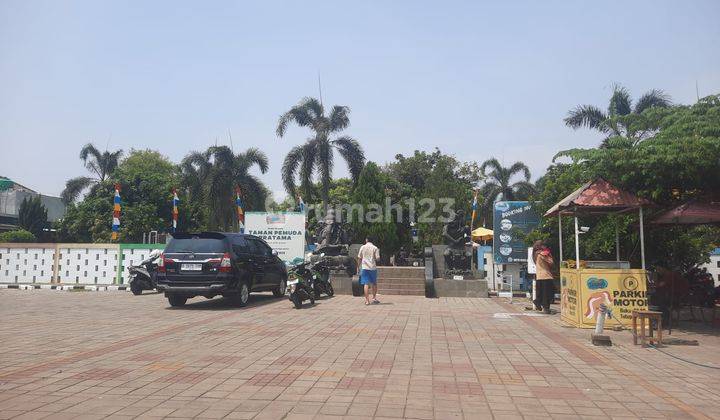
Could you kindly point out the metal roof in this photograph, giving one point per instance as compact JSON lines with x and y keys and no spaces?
{"x":598,"y":196}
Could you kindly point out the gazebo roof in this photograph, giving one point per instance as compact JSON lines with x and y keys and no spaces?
{"x":598,"y":196}
{"x":691,"y":213}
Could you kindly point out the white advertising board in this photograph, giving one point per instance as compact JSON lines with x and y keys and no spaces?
{"x":283,"y":231}
{"x":530,"y":262}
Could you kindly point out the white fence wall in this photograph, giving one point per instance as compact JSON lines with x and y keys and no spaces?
{"x":88,"y":264}
{"x":70,"y":263}
{"x":27,"y":264}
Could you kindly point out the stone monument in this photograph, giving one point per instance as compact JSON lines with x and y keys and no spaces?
{"x":458,"y":253}
{"x":333,"y":245}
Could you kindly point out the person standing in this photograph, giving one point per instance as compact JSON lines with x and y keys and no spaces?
{"x":544,"y":289}
{"x":367,"y":261}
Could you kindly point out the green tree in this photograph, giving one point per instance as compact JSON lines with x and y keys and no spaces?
{"x":32,"y":215}
{"x":617,"y":121}
{"x":669,"y":167}
{"x":100,"y":164}
{"x":317,"y":152}
{"x":89,"y":220}
{"x":428,"y":187}
{"x":503,"y":183}
{"x":210,"y":178}
{"x":498,"y":181}
{"x":146,"y":178}
{"x":369,"y":193}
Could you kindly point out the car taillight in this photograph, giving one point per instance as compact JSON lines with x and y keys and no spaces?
{"x":161,"y":264}
{"x":225,"y":264}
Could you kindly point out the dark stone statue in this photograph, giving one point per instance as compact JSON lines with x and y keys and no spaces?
{"x":457,"y":254}
{"x":333,"y":245}
{"x":331,"y":237}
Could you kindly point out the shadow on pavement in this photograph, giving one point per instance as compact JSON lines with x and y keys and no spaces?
{"x":219,"y":303}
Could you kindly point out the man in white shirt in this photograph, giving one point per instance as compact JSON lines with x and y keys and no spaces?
{"x":367,"y":261}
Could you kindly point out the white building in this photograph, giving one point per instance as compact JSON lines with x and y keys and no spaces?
{"x":12,"y":195}
{"x":713,"y":267}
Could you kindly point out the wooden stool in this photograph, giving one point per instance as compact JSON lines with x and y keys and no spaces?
{"x":648,"y":316}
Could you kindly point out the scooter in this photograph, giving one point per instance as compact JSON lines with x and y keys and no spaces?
{"x":300,"y":285}
{"x":142,"y":276}
{"x":321,"y":277}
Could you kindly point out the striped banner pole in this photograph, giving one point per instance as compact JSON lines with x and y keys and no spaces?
{"x":175,"y":202}
{"x":116,"y":213}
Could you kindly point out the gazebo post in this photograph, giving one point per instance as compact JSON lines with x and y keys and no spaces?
{"x":560,"y":235}
{"x":617,"y":243}
{"x":642,"y":239}
{"x":577,"y":242}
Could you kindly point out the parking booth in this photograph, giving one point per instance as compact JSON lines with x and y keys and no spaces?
{"x":585,"y":285}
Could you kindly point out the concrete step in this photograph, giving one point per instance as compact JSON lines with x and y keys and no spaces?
{"x":403,"y":292}
{"x":401,"y":272}
{"x":401,"y":286}
{"x":400,"y":281}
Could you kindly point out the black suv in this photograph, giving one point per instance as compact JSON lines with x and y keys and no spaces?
{"x":213,"y":263}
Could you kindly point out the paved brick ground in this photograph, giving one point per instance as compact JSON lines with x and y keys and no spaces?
{"x":114,"y":355}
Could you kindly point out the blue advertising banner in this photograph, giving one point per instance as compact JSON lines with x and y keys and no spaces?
{"x":512,"y":221}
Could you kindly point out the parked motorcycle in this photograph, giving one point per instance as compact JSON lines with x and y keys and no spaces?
{"x":321,"y":278}
{"x":142,"y":276}
{"x":301,"y":285}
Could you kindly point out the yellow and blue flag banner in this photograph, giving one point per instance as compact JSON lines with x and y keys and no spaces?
{"x":175,"y":201}
{"x":116,"y":213}
{"x":474,"y":208}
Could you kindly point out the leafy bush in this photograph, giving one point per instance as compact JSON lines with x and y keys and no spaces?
{"x":17,"y":236}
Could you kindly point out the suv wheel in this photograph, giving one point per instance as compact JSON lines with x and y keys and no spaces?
{"x":243,"y":295}
{"x":176,"y":300}
{"x":280,"y":291}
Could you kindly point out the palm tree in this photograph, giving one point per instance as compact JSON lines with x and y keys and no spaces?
{"x":102,"y":165}
{"x":498,"y":183}
{"x":317,"y":152}
{"x":211,"y":177}
{"x":615,"y":123}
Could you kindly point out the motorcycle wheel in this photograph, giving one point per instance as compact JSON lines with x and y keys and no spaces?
{"x":312,"y":300}
{"x":317,"y":292}
{"x":135,"y":288}
{"x":296,"y":301}
{"x":330,"y":290}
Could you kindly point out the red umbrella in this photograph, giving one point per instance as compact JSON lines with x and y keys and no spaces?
{"x":691,"y":213}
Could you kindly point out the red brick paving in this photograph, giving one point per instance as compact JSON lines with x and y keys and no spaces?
{"x":411,"y":357}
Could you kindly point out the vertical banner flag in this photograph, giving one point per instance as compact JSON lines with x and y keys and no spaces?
{"x":116,"y":213}
{"x":176,"y":201}
{"x":240,"y":211}
{"x":474,"y":209}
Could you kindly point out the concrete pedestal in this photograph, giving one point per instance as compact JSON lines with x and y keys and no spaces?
{"x":460,"y":288}
{"x":341,"y":283}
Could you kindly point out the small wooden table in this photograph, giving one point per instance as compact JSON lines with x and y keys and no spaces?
{"x":648,"y":316}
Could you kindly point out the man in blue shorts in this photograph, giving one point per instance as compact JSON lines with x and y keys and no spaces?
{"x":367,"y":261}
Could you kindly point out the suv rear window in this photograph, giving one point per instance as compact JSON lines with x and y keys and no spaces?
{"x":196,"y":245}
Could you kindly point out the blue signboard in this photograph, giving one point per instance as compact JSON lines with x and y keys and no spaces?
{"x":512,"y":221}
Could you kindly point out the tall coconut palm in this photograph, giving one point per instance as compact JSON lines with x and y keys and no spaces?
{"x":101,"y":165}
{"x":498,"y":181}
{"x":317,"y":152}
{"x":612,"y":123}
{"x":211,"y":177}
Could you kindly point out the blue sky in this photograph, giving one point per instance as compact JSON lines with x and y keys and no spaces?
{"x":476,"y":79}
